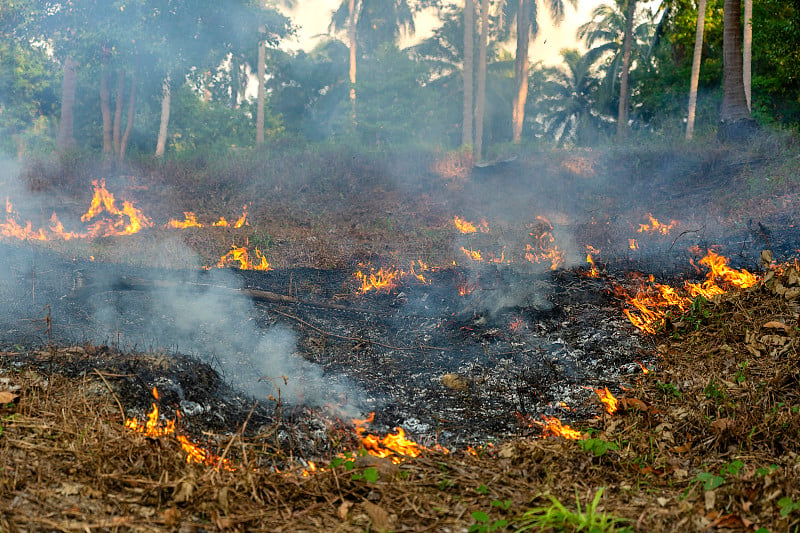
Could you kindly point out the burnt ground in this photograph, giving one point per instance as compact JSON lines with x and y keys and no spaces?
{"x":451,"y":369}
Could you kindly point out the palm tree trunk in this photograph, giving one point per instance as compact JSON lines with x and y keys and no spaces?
{"x":118,"y":109}
{"x":469,"y":61}
{"x":698,"y":52}
{"x":735,"y":121}
{"x":123,"y":144}
{"x":521,"y":67}
{"x":622,"y":115}
{"x":747,"y":49}
{"x":262,"y":90}
{"x":161,"y":145}
{"x":66,"y":139}
{"x":105,"y":111}
{"x":351,"y":33}
{"x":480,"y":103}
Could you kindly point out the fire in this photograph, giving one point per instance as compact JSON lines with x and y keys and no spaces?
{"x":609,"y":401}
{"x":632,"y":244}
{"x":242,"y":221}
{"x":381,"y":280}
{"x":593,"y":272}
{"x":392,"y":445}
{"x":475,"y":255}
{"x":654,"y":300}
{"x":240,"y":254}
{"x":544,"y":249}
{"x":656,"y":227}
{"x":155,"y":428}
{"x":552,"y":427}
{"x":130,"y":220}
{"x":189,"y":221}
{"x":465,"y":226}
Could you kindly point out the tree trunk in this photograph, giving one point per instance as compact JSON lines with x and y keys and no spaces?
{"x":521,"y":66}
{"x":161,"y":145}
{"x":622,"y":115}
{"x":123,"y":144}
{"x":262,"y":89}
{"x":735,"y":122}
{"x":351,"y":33}
{"x":698,"y":53}
{"x":480,"y":104}
{"x":105,"y":111}
{"x":236,"y":78}
{"x":118,"y":110}
{"x":66,"y":139}
{"x":469,"y":60}
{"x":747,"y":50}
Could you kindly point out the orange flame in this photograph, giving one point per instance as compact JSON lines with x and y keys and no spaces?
{"x":609,"y":401}
{"x":240,"y":254}
{"x":475,"y":255}
{"x":656,"y":227}
{"x":381,"y":280}
{"x":544,"y":248}
{"x":242,"y":221}
{"x":593,"y":272}
{"x":393,"y":446}
{"x":154,"y":428}
{"x":465,"y":226}
{"x":130,"y":220}
{"x":189,"y":221}
{"x":552,"y":427}
{"x":632,"y":244}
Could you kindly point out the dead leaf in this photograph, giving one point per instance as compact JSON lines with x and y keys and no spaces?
{"x":710,"y":498}
{"x":7,"y":397}
{"x":70,"y":489}
{"x":662,"y":501}
{"x":721,"y":424}
{"x":172,"y":517}
{"x":183,"y":491}
{"x":344,"y":509}
{"x":633,"y":403}
{"x":377,"y":515}
{"x":774,"y":324}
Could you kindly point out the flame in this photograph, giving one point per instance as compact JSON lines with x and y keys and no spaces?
{"x":593,"y":272}
{"x":552,"y":427}
{"x":130,"y":220}
{"x":609,"y":401}
{"x":652,"y":301}
{"x":422,"y":267}
{"x":656,"y":227}
{"x":544,"y":248}
{"x":240,"y":254}
{"x":632,"y":244}
{"x":465,"y":226}
{"x":381,"y":280}
{"x":241,"y":221}
{"x":154,"y":428}
{"x":189,"y":221}
{"x":475,"y":255}
{"x":393,"y":445}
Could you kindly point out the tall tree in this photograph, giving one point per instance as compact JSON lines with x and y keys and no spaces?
{"x":66,"y":135}
{"x":480,"y":101}
{"x":735,"y":122}
{"x":747,"y":50}
{"x":525,"y":12}
{"x":693,"y":83}
{"x":622,"y":115}
{"x":468,"y":77}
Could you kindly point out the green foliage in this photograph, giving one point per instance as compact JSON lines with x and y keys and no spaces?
{"x":788,"y":506}
{"x":598,"y":447}
{"x":484,"y":523}
{"x":556,"y":517}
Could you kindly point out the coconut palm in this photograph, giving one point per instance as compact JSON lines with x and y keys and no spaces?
{"x":698,"y":51}
{"x":735,"y":121}
{"x":525,"y":13}
{"x":568,"y":104}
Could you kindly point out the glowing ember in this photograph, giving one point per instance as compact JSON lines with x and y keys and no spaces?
{"x":654,"y":226}
{"x":380,"y":280}
{"x":475,"y":255}
{"x":189,"y":221}
{"x":552,"y":427}
{"x":608,"y":400}
{"x":129,"y":219}
{"x":246,"y":262}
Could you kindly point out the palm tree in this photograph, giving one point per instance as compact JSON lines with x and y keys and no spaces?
{"x":480,"y":102}
{"x":370,"y":23}
{"x":525,"y":12}
{"x":747,"y":49}
{"x":735,"y":121}
{"x":605,"y":34}
{"x":622,"y":115}
{"x":469,"y":53}
{"x":568,"y":98}
{"x":698,"y":52}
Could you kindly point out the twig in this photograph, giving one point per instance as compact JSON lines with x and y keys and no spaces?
{"x":113,"y":394}
{"x":233,"y":437}
{"x":357,"y":339}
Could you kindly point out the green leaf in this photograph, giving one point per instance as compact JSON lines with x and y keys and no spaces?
{"x":480,"y":516}
{"x":371,"y":474}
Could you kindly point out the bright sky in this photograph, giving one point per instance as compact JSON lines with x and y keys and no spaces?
{"x":313,"y":17}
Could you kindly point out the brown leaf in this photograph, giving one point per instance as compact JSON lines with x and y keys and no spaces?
{"x":7,"y":397}
{"x":344,"y":509}
{"x":721,"y":424}
{"x":774,"y":324}
{"x":633,"y":403}
{"x":378,"y":516}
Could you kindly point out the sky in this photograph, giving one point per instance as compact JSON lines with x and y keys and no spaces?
{"x":313,"y":17}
